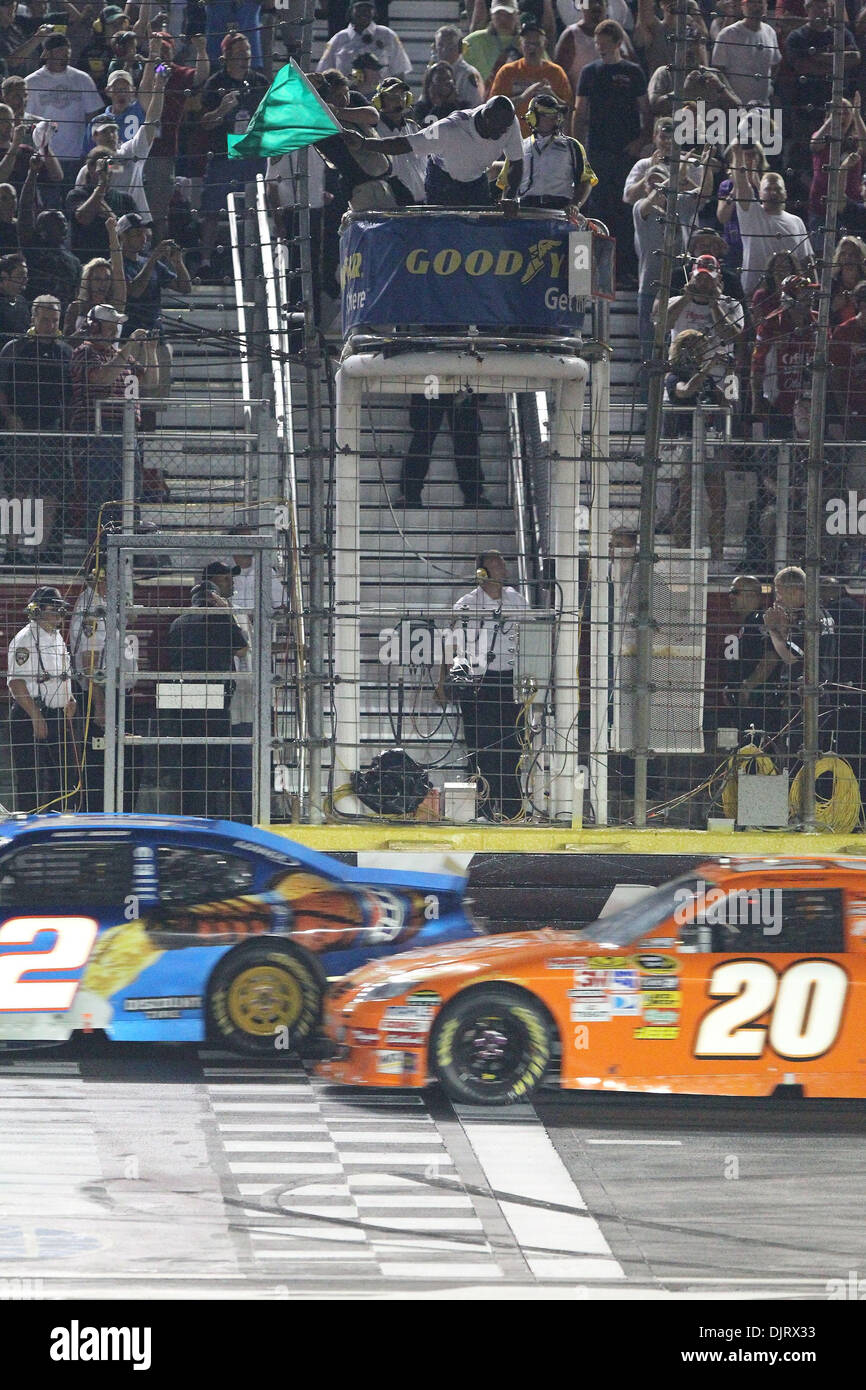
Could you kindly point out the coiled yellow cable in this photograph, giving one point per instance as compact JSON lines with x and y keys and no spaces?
{"x":841,"y":811}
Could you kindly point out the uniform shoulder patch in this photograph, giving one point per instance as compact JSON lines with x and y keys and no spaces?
{"x":22,"y":654}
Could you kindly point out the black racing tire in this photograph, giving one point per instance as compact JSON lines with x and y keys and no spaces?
{"x":491,"y":1045}
{"x":265,"y":999}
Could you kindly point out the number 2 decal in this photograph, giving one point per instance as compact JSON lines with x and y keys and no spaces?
{"x":73,"y":941}
{"x":806,"y":1005}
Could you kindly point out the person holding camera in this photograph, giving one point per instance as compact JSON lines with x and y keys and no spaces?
{"x":147,"y":275}
{"x":129,"y":156}
{"x":92,"y":203}
{"x":483,"y":681}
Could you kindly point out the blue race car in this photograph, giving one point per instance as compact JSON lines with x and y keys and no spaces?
{"x":173,"y":929}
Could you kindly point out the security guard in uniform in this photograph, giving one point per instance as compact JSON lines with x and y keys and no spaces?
{"x":490,"y":616}
{"x":44,"y":755}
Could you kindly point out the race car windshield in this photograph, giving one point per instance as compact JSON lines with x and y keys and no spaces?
{"x":622,"y":928}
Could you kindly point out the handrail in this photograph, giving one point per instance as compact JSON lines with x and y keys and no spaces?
{"x":516,"y":465}
{"x":240,"y":304}
{"x":273,"y":272}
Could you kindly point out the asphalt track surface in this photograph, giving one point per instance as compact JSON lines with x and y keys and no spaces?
{"x":136,"y":1172}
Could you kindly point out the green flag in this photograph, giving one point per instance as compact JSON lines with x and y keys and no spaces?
{"x":289,"y":116}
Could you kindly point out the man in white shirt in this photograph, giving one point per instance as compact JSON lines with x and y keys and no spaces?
{"x":131,"y":154}
{"x":363,"y":36}
{"x":393,"y":98}
{"x":488,"y":618}
{"x":448,"y":48}
{"x":766,"y":227}
{"x":718,"y":316}
{"x":748,"y":54}
{"x":68,"y":98}
{"x":460,"y":149}
{"x":44,"y":757}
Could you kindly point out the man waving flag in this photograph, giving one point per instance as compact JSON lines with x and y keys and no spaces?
{"x":290,"y":115}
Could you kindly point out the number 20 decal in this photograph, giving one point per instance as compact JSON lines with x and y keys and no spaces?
{"x":807,"y":1003}
{"x":73,"y":941}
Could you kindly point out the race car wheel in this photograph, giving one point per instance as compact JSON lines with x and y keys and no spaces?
{"x":491,"y":1046}
{"x":265,"y":999}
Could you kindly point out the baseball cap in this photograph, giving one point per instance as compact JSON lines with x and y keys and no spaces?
{"x":219,"y":567}
{"x":129,"y":221}
{"x":509,"y":5}
{"x":110,"y":13}
{"x":105,"y":313}
{"x":55,"y":41}
{"x":528,"y":23}
{"x":119,"y":75}
{"x":103,"y":122}
{"x":366,"y":60}
{"x":707,"y":263}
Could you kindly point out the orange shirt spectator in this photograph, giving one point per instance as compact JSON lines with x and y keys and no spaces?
{"x":523,"y":80}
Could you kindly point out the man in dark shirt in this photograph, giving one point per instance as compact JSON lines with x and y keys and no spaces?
{"x":181,"y":86}
{"x":35,"y":394}
{"x":146,"y":278}
{"x":52,"y":269}
{"x":14,"y":309}
{"x":750,"y":659}
{"x":91,"y":201}
{"x":612,"y":120}
{"x":204,"y":642}
{"x":229,"y":99}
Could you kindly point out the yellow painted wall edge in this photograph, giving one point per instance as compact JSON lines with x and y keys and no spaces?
{"x":542,"y":840}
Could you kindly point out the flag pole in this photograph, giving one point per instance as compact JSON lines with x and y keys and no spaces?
{"x":318,"y":458}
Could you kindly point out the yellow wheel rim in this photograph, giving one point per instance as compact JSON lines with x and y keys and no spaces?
{"x":263,"y":998}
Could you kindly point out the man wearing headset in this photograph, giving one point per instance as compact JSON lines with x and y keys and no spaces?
{"x":489,"y":618}
{"x":556,"y":171}
{"x":393,"y":100}
{"x":44,"y":759}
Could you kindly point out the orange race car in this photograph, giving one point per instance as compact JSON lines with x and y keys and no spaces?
{"x":741,"y":976}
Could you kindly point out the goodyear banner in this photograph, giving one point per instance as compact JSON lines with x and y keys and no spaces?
{"x":455,"y":270}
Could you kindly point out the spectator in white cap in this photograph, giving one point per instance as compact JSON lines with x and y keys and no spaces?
{"x":498,"y":43}
{"x":129,"y":155}
{"x":125,"y":109}
{"x":363,"y":36}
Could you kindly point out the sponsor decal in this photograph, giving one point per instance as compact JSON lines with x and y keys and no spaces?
{"x":611,"y":962}
{"x":400,"y":1017}
{"x":145,"y":1006}
{"x":659,"y":981}
{"x":560,"y":963}
{"x":662,"y":943}
{"x":592,"y":979}
{"x":424,"y":996}
{"x":364,"y":1037}
{"x":663,"y":999}
{"x":656,"y":1034}
{"x":650,"y":961}
{"x":407,"y":1039}
{"x":625,"y":1003}
{"x":588,"y":1007}
{"x":389,"y":1062}
{"x":624,"y":980}
{"x":661,"y":1016}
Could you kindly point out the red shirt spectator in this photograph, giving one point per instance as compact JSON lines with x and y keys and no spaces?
{"x":784,"y":355}
{"x":848,"y":368}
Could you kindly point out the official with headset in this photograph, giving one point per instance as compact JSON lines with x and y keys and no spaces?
{"x":393,"y":100}
{"x":488,"y":617}
{"x":556,"y":171}
{"x":44,"y":754}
